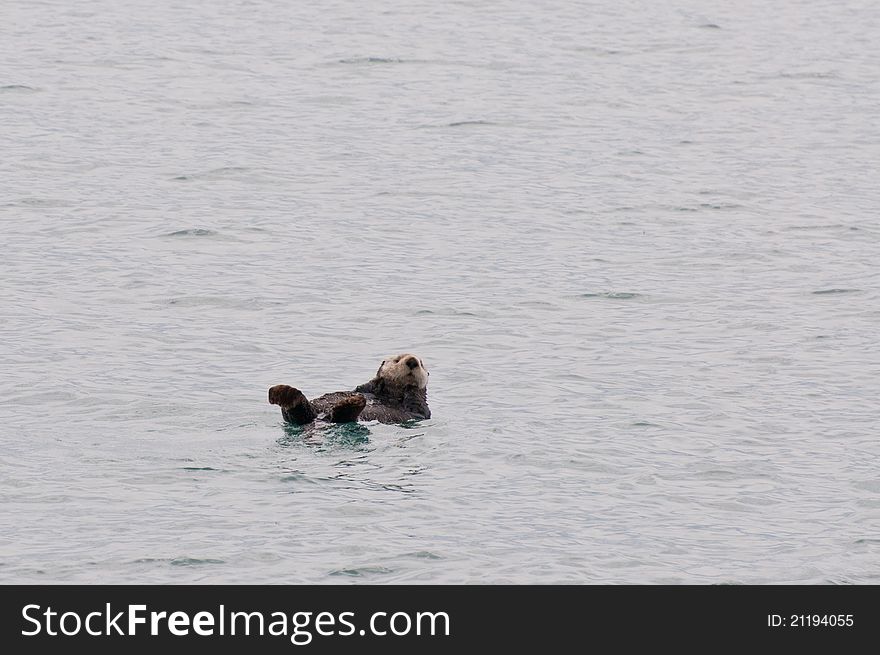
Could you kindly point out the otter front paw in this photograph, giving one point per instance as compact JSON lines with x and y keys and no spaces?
{"x":348,"y":409}
{"x":286,"y":396}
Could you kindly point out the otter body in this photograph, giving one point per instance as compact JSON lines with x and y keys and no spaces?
{"x":396,"y":394}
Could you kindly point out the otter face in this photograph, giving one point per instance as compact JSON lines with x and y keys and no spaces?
{"x":404,"y":370}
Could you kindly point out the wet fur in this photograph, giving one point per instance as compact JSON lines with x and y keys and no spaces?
{"x":396,"y":394}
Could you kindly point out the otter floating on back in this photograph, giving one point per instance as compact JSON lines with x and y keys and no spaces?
{"x":397,"y":393}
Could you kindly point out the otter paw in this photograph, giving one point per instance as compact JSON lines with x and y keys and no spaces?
{"x":285,"y":396}
{"x":348,"y":409}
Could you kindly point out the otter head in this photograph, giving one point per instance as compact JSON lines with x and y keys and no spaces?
{"x":399,"y":372}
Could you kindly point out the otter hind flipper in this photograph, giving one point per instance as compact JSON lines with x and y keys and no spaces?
{"x":295,"y":407}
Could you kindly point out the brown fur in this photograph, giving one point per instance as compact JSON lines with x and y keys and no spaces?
{"x":396,"y":394}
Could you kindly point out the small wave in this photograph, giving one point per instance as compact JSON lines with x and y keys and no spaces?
{"x":297,"y":476}
{"x":18,"y":88}
{"x":192,"y":232}
{"x":421,"y":554}
{"x":372,"y":60}
{"x":717,"y":474}
{"x":224,"y":302}
{"x":363,"y":571}
{"x":719,"y":205}
{"x":199,"y":468}
{"x":808,"y":75}
{"x":597,"y":50}
{"x":465,"y":123}
{"x":824,"y":292}
{"x":612,"y":295}
{"x":224,"y":172}
{"x":37,"y":203}
{"x":193,"y":561}
{"x":797,"y":228}
{"x":537,"y":304}
{"x":710,"y":26}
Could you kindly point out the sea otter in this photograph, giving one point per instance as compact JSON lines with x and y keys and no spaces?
{"x":396,"y":394}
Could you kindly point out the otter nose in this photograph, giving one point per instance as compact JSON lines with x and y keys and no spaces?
{"x":412,"y":362}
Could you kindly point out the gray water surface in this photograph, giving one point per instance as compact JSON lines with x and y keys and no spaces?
{"x":636,"y":244}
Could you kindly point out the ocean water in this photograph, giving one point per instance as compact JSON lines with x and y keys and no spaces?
{"x":636,"y":244}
